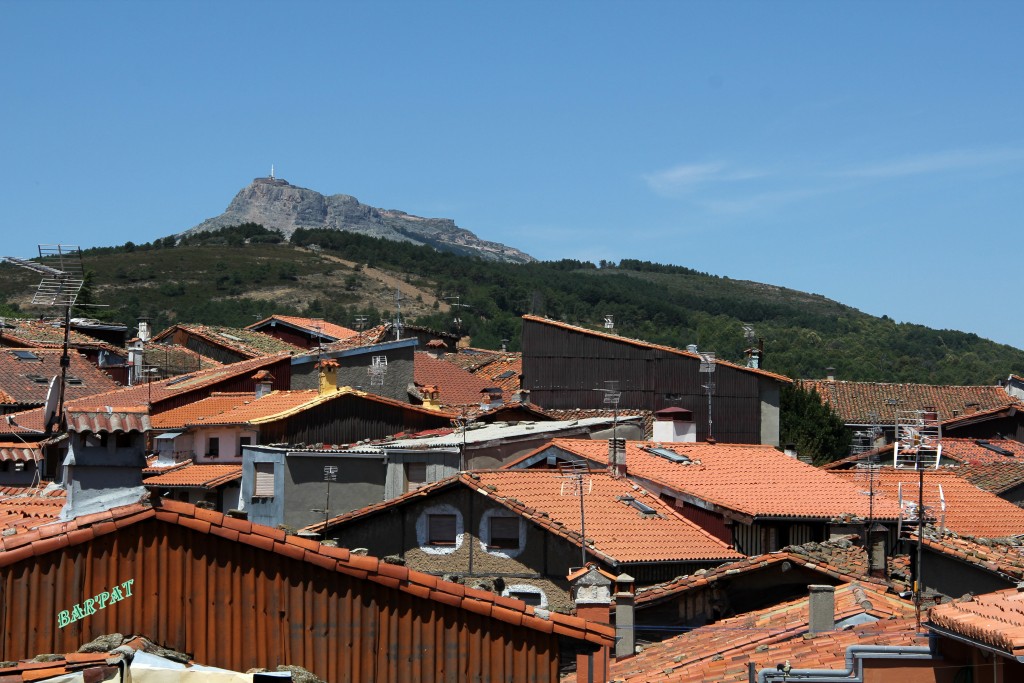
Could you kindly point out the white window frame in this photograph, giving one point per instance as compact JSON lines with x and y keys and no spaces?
{"x":423,"y":529}
{"x":526,"y":588}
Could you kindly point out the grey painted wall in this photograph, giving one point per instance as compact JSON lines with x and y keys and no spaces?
{"x":354,"y":372}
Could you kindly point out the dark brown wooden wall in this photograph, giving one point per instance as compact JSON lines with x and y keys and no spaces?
{"x":236,"y":606}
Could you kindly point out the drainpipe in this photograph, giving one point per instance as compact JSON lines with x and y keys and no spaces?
{"x":854,"y":671}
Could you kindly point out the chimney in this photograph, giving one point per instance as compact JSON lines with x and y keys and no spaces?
{"x":490,"y":398}
{"x":436,"y":348}
{"x":591,"y":593}
{"x":144,"y":331}
{"x":136,"y":353}
{"x":830,"y":374}
{"x":691,"y":348}
{"x":790,"y":450}
{"x":617,"y":457}
{"x":674,"y":425}
{"x":876,"y":550}
{"x":754,"y":358}
{"x":822,"y":609}
{"x":971,"y":408}
{"x":328,"y":368}
{"x":625,"y":616}
{"x":430,"y":394}
{"x":264,"y":383}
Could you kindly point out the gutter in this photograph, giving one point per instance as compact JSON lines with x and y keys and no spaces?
{"x":854,"y":671}
{"x":973,"y":643}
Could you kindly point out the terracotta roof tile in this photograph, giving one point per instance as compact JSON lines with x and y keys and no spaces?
{"x":1001,"y":556}
{"x":457,"y":386}
{"x":43,"y":334}
{"x":370,"y":337}
{"x":647,"y":345}
{"x":616,"y":530}
{"x":196,"y":476}
{"x":21,"y":452}
{"x":754,"y":480}
{"x":313,"y":325}
{"x":995,"y":619}
{"x":721,"y":651}
{"x":238,"y":408}
{"x":996,"y":477}
{"x":855,"y":402}
{"x":27,"y":542}
{"x":245,"y":342}
{"x":26,"y":382}
{"x":969,"y":510}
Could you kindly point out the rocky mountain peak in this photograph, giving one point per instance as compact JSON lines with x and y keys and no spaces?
{"x":277,"y":204}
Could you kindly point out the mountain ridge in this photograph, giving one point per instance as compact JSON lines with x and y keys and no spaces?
{"x":278,"y":205}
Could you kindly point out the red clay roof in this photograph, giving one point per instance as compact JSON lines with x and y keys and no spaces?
{"x":237,"y":408}
{"x":27,"y":381}
{"x":21,"y":452}
{"x":457,"y":386}
{"x":43,"y":539}
{"x":244,"y":342}
{"x":616,"y":531}
{"x":854,"y":402}
{"x":842,"y":561}
{"x":647,"y":345}
{"x":996,"y":477}
{"x":196,"y":476}
{"x":374,"y":335}
{"x":995,"y":619}
{"x":754,"y":480}
{"x":29,"y":506}
{"x":721,"y":651}
{"x":1000,"y":556}
{"x":45,"y":334}
{"x":969,"y":510}
{"x":312,"y":325}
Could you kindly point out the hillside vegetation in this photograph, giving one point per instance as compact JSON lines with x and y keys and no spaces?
{"x":238,"y":275}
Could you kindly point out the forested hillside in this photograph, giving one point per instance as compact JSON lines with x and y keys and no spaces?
{"x":236,"y":275}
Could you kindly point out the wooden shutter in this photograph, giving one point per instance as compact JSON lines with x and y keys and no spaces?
{"x":504,"y":532}
{"x":442,"y":529}
{"x":415,"y":475}
{"x":264,"y":487}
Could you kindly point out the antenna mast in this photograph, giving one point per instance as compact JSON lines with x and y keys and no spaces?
{"x":576,"y":475}
{"x":707,"y":366}
{"x":63,"y":277}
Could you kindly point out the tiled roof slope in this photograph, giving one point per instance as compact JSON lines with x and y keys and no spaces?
{"x":44,"y":334}
{"x":46,"y":538}
{"x":245,"y":342}
{"x":958,"y":449}
{"x":841,"y":560}
{"x":29,"y":506}
{"x":647,"y":345}
{"x":311,"y":325}
{"x":855,"y":401}
{"x":1000,"y":556}
{"x":175,"y":359}
{"x":721,"y":651}
{"x":995,"y":619}
{"x":996,"y":477}
{"x":754,"y":480}
{"x":20,"y":452}
{"x":969,"y":510}
{"x":235,"y":408}
{"x":374,"y":335}
{"x":150,"y":393}
{"x":26,"y":382}
{"x":457,"y":387}
{"x":196,"y":476}
{"x":647,"y":416}
{"x":616,"y":532}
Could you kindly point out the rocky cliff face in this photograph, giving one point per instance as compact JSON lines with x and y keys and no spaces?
{"x":277,"y":204}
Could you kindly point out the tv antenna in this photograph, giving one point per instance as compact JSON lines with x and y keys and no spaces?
{"x":397,"y":323}
{"x":576,"y":481}
{"x":330,"y":474}
{"x":457,"y":320}
{"x":609,"y":322}
{"x":61,"y":283}
{"x":707,"y":366}
{"x":378,"y":370}
{"x":612,"y":397}
{"x":360,"y":322}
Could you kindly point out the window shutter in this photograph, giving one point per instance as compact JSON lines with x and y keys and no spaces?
{"x":415,"y":475}
{"x":442,"y":529}
{"x":504,"y":532}
{"x":264,"y":487}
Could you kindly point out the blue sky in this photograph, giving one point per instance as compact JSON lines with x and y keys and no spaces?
{"x":872,"y":152}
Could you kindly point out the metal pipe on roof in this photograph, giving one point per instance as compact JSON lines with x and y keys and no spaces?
{"x":854,"y":671}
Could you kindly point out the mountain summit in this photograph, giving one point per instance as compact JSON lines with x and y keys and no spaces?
{"x":277,"y":204}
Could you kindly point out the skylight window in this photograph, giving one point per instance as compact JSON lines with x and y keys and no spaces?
{"x":669,"y":455}
{"x":637,"y":505}
{"x":24,"y":355}
{"x":507,"y":374}
{"x":994,"y":448}
{"x":177,"y":380}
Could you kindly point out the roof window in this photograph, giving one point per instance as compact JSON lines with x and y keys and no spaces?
{"x":669,"y":455}
{"x":24,"y":355}
{"x":506,"y":375}
{"x":176,"y":380}
{"x":994,"y":448}
{"x":38,"y":379}
{"x":636,"y":504}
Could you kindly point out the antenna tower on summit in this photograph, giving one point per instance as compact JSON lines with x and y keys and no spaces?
{"x":271,"y":171}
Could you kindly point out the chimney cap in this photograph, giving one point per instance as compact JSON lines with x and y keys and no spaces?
{"x":674,"y":413}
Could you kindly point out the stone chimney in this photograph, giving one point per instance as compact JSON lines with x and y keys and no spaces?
{"x":822,"y":609}
{"x":674,"y":425}
{"x":436,"y":348}
{"x":876,"y":550}
{"x":264,"y":383}
{"x":144,"y":331}
{"x":691,"y":348}
{"x":625,"y":616}
{"x":830,"y":374}
{"x":591,"y":593}
{"x":490,"y":398}
{"x":617,"y":457}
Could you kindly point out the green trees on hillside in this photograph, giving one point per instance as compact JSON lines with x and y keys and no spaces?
{"x":811,"y":425}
